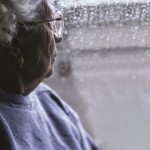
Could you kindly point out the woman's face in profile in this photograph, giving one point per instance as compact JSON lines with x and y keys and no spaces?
{"x":49,"y":50}
{"x":47,"y":53}
{"x":38,"y":46}
{"x":39,"y":51}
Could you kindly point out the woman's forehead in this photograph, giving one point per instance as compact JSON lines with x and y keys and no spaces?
{"x":51,"y":8}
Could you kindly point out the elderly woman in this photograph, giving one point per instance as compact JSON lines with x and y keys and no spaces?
{"x":33,"y":116}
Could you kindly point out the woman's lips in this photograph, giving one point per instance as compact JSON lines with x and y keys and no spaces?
{"x":54,"y":58}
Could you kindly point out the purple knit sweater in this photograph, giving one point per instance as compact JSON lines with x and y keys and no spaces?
{"x":40,"y":121}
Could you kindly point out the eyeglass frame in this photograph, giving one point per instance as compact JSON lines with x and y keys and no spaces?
{"x":24,"y":23}
{"x":43,"y":21}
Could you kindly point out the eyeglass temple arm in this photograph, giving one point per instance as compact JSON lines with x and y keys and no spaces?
{"x":38,"y":22}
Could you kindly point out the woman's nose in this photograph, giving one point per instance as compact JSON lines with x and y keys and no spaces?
{"x":57,"y":38}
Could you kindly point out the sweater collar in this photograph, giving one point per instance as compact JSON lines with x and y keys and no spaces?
{"x":16,"y":98}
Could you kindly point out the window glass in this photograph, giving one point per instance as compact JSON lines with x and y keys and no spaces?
{"x":103,"y":69}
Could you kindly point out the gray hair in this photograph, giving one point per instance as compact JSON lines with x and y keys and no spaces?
{"x":13,"y":11}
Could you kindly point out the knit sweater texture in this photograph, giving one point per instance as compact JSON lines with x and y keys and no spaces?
{"x":40,"y":121}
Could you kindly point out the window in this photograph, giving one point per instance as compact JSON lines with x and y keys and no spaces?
{"x":103,"y":69}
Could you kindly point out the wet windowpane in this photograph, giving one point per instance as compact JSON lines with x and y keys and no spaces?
{"x":103,"y":69}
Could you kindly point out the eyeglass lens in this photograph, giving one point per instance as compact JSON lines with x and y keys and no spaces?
{"x":59,"y":25}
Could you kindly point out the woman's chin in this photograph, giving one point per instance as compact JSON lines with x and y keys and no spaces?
{"x":50,"y":72}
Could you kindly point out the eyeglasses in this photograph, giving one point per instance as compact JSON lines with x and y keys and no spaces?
{"x":57,"y":23}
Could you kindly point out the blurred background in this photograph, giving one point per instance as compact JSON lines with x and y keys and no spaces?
{"x":103,"y":69}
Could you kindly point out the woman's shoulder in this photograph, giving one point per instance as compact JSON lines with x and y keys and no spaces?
{"x":42,"y":87}
{"x":48,"y":95}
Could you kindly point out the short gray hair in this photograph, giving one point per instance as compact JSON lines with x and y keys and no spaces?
{"x":13,"y":11}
